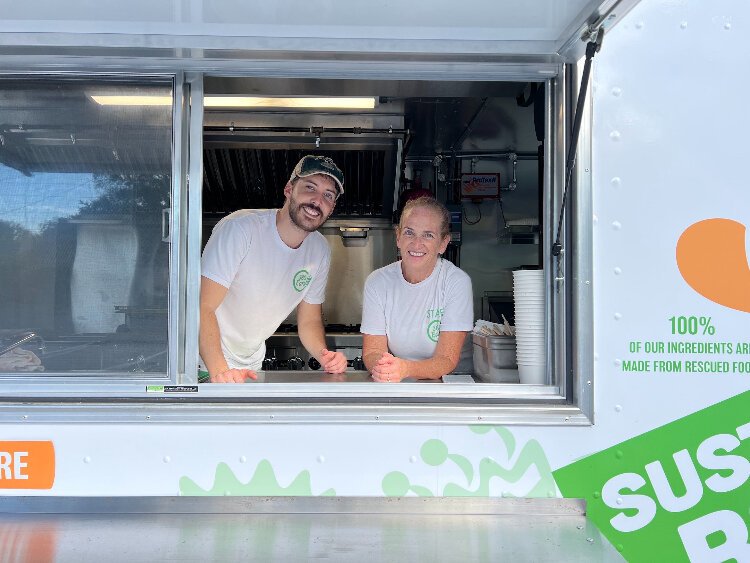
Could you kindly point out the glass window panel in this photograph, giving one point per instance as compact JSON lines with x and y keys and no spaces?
{"x":84,"y":192}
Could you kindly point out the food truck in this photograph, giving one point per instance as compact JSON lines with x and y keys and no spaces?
{"x":574,"y":144}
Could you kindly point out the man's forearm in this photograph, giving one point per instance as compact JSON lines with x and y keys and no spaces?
{"x":312,"y":336}
{"x":210,"y":344}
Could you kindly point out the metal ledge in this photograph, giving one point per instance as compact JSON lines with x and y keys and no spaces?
{"x":292,"y":505}
{"x":188,"y":412}
{"x":264,"y":529}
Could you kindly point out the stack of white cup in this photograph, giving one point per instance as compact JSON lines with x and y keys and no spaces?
{"x":528,"y":297}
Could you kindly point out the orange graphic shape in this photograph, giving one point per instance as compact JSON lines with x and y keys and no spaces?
{"x":712,"y":260}
{"x":27,"y":465}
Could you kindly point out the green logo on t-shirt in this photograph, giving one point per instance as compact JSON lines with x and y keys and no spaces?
{"x":301,"y":280}
{"x":433,"y":330}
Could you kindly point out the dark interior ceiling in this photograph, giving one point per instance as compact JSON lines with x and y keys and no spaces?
{"x":61,"y":129}
{"x":439,"y":114}
{"x":440,"y":117}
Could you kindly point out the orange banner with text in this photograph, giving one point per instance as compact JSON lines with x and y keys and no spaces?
{"x":27,"y":465}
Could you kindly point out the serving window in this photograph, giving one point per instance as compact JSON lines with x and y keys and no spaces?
{"x":104,"y":235}
{"x":477,"y":147}
{"x":493,"y":153}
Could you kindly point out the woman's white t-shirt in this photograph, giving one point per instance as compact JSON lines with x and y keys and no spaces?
{"x":413,"y":315}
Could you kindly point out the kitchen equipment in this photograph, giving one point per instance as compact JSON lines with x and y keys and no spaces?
{"x":284,"y":350}
{"x":495,"y":358}
{"x":10,"y":339}
{"x":143,"y":318}
{"x":352,"y":263}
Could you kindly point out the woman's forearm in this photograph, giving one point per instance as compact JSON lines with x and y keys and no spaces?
{"x":443,"y":361}
{"x":431,"y":368}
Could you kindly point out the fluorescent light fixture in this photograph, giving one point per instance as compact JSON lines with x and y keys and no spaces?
{"x":245,"y":102}
{"x":288,"y":102}
{"x":133,"y":100}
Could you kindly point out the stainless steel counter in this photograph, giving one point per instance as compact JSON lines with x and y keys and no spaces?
{"x":206,"y":529}
{"x":350,"y":376}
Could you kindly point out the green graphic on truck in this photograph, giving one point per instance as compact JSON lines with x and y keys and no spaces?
{"x":262,"y":483}
{"x":479,"y":477}
{"x":677,"y":493}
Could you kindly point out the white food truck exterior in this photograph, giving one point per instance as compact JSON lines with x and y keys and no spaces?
{"x":664,"y":464}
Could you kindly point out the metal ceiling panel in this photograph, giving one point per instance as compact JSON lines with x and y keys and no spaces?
{"x":227,"y":30}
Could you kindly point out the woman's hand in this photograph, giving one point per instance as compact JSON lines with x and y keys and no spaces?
{"x":389,"y":369}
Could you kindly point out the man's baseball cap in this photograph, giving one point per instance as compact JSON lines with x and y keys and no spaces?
{"x":311,"y":164}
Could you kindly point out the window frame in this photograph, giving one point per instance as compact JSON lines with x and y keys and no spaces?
{"x":569,"y":318}
{"x":16,"y":383}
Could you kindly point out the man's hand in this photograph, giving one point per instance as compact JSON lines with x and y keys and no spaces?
{"x":332,"y":362}
{"x":389,"y":369}
{"x":233,"y":376}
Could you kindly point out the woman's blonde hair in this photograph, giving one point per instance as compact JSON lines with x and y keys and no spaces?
{"x":433,"y":205}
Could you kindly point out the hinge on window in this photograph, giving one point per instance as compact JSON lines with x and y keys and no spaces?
{"x":593,"y":34}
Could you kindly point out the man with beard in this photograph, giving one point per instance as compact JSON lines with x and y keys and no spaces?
{"x":258,"y":266}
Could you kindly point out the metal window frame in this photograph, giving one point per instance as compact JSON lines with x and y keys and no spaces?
{"x":568,"y":316}
{"x":19,"y":382}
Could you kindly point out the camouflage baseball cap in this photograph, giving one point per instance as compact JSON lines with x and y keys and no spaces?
{"x":310,"y":164}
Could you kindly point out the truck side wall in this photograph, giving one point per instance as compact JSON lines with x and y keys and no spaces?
{"x":669,"y":114}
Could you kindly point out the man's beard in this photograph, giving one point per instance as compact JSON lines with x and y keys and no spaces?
{"x":303,"y":221}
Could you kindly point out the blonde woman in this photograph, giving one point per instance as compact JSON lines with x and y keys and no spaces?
{"x":417,"y":311}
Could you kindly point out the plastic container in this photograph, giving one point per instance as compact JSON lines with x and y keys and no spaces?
{"x":495,"y":358}
{"x":532,"y":374}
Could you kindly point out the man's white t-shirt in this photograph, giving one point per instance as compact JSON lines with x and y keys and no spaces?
{"x":413,"y":315}
{"x":265,"y":280}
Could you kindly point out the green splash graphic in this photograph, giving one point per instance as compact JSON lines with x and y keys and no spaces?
{"x":436,"y":453}
{"x":262,"y":483}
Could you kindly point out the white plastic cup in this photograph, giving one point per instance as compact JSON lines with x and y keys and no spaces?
{"x":530,"y":357}
{"x":531,"y":331}
{"x":527,"y":312}
{"x":530,"y":335}
{"x":531,"y":374}
{"x":530,"y":285}
{"x":528,"y":326}
{"x":532,"y":347}
{"x":530,"y":360}
{"x":530,"y":352}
